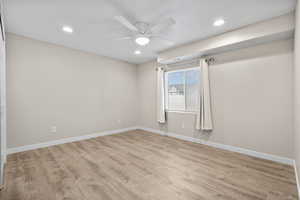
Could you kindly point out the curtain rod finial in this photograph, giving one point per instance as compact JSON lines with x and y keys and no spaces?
{"x":210,"y":60}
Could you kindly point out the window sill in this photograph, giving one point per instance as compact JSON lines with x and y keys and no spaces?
{"x":182,"y":112}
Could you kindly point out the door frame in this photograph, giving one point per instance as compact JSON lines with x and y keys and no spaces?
{"x":2,"y":96}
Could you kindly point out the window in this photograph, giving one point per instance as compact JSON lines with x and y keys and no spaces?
{"x":182,"y":90}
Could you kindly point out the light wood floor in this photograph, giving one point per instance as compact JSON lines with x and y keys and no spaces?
{"x":141,"y":165}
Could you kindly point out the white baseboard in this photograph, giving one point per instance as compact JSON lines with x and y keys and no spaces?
{"x":160,"y":132}
{"x":297,"y":179}
{"x":266,"y":156}
{"x":3,"y":157}
{"x":66,"y":140}
{"x":275,"y":158}
{"x":1,"y":175}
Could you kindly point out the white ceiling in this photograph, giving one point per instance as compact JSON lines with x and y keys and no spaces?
{"x":95,"y":27}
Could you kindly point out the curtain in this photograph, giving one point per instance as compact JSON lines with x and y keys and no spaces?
{"x":204,"y":116}
{"x":161,"y":114}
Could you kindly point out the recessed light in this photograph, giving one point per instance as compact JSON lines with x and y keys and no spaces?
{"x":219,"y":22}
{"x":142,"y":40}
{"x":137,"y":52}
{"x":67,"y":29}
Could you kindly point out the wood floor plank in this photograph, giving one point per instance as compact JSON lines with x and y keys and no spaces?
{"x":144,"y":166}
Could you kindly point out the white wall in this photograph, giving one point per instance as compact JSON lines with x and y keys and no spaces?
{"x":78,"y":92}
{"x":251,"y":98}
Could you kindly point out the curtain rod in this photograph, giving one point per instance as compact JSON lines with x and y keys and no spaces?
{"x":209,"y":60}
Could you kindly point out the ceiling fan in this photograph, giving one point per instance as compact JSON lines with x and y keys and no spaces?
{"x":143,"y":32}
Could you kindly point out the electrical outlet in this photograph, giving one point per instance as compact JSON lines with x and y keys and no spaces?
{"x":53,"y":129}
{"x":182,"y":125}
{"x":119,"y":121}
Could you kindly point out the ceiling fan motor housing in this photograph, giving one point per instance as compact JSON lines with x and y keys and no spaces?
{"x":143,"y":27}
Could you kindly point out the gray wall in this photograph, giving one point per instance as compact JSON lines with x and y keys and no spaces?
{"x":251,"y":97}
{"x":82,"y":93}
{"x":3,"y":108}
{"x":297,"y":91}
{"x":78,"y":92}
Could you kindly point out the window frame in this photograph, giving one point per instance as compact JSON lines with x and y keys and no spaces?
{"x":185,"y":111}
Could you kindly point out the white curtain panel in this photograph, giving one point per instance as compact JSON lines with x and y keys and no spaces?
{"x":204,"y":116}
{"x":161,"y":114}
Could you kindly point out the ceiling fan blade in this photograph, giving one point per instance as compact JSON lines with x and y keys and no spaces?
{"x":162,"y":25}
{"x":125,"y":22}
{"x":166,"y":41}
{"x":123,"y":38}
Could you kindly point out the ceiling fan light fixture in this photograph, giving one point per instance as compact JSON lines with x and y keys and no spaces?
{"x":142,"y":40}
{"x":67,"y":29}
{"x":137,"y":52}
{"x":219,"y":22}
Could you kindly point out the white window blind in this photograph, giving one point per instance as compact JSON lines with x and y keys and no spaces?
{"x":182,"y":90}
